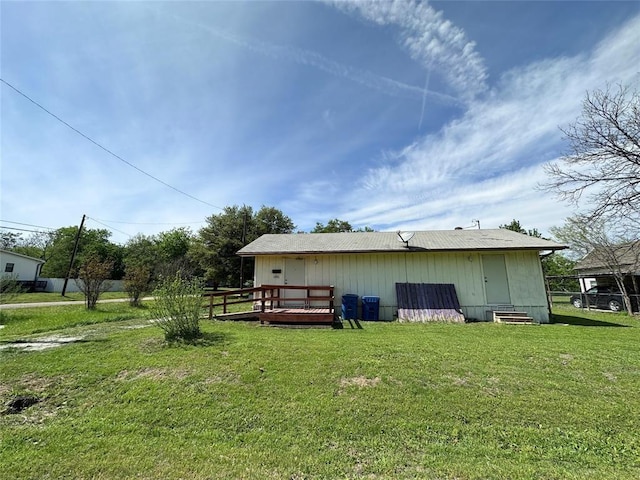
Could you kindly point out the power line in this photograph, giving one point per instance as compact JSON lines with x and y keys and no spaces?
{"x":150,"y":223}
{"x":20,"y":229}
{"x":27,"y":224}
{"x":105,"y":148}
{"x":109,"y":226}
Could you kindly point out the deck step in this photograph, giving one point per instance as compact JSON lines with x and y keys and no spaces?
{"x":514,"y":318}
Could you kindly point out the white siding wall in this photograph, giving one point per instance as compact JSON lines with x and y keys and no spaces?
{"x":56,"y":284}
{"x":23,"y":268}
{"x":377,"y":274}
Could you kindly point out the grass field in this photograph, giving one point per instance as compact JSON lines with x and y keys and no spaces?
{"x":392,"y":400}
{"x":56,"y":297}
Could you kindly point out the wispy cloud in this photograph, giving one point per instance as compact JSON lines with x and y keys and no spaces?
{"x":385,"y":85}
{"x":430,"y":39}
{"x":487,"y":163}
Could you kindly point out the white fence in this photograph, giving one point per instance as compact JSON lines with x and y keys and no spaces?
{"x":56,"y":284}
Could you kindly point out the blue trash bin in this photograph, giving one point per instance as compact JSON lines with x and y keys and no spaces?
{"x":349,"y":306}
{"x":370,"y":308}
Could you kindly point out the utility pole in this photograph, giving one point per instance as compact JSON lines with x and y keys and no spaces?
{"x":73,"y":256}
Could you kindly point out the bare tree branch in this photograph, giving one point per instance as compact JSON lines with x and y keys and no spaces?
{"x":602,"y":168}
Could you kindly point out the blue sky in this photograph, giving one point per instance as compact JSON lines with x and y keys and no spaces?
{"x":393,"y":115}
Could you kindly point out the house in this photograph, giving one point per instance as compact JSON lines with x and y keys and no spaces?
{"x":490,"y":269}
{"x":20,"y":267}
{"x":598,"y":266}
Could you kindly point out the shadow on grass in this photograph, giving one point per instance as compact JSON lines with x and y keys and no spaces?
{"x":581,"y":321}
{"x":207,"y":339}
{"x":353,"y":323}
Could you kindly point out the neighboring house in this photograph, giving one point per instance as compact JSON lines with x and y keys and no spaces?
{"x":20,"y":267}
{"x":490,"y":269}
{"x":600,"y":266}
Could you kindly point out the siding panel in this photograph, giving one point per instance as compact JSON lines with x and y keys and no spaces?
{"x":377,"y":274}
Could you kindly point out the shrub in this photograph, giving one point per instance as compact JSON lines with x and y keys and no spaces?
{"x":177,"y":307}
{"x":137,"y":281}
{"x":9,"y":288}
{"x":92,"y":279}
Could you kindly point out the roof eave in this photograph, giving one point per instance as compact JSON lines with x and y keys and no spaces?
{"x":399,"y":250}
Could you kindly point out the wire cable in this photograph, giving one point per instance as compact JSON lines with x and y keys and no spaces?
{"x":27,"y":224}
{"x":109,"y":226}
{"x":150,"y":223}
{"x":106,"y":149}
{"x":20,"y":229}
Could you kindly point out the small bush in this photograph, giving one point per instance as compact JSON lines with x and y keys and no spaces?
{"x":10,"y":288}
{"x":137,"y":281}
{"x":92,"y":279}
{"x":177,"y":307}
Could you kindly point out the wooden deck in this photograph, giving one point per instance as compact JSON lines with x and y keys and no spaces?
{"x":282,"y":304}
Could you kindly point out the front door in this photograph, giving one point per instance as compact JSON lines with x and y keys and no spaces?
{"x":294,"y":274}
{"x":496,"y":282}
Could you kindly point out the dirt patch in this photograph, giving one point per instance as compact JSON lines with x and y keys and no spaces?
{"x":359,"y":382}
{"x":19,"y":403}
{"x":565,"y":358}
{"x":16,"y":398}
{"x":40,"y":344}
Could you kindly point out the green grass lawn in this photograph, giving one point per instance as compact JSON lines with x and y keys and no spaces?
{"x":56,"y":297}
{"x":392,"y":400}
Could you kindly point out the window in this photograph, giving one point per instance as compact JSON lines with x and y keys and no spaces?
{"x":8,"y":267}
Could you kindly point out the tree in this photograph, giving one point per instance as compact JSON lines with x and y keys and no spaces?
{"x":92,"y":242}
{"x":140,"y":260}
{"x":146,"y":258}
{"x":604,"y":158}
{"x":92,"y":279}
{"x":173,"y":253}
{"x":174,"y":244}
{"x":218,"y":242}
{"x":141,"y":250}
{"x":559,"y":272}
{"x":271,"y":220}
{"x":333,"y":226}
{"x":516,"y":227}
{"x":137,"y":282}
{"x":606,"y":245}
{"x":35,"y":245}
{"x":9,"y":240}
{"x":337,"y":226}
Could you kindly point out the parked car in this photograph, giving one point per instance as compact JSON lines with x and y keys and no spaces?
{"x":605,"y":297}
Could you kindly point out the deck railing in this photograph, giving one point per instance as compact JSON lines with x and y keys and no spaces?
{"x":273,"y":296}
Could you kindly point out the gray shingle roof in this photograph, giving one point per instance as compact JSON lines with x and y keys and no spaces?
{"x":627,"y":256}
{"x":378,"y":242}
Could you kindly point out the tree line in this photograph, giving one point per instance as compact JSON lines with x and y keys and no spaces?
{"x":209,"y":253}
